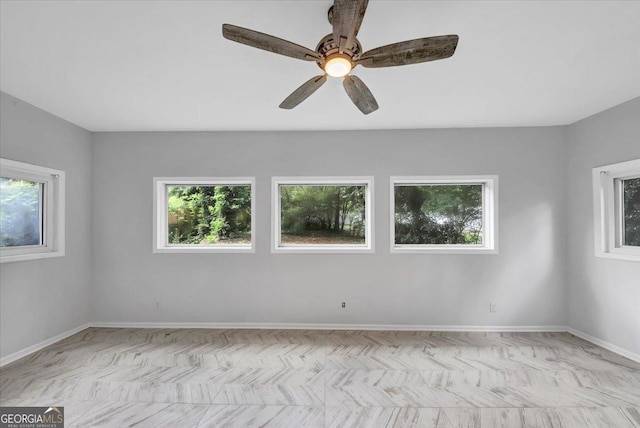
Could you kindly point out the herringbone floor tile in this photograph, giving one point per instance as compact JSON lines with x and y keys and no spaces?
{"x":307,"y":378}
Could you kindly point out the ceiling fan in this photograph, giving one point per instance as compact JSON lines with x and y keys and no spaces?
{"x":339,"y":52}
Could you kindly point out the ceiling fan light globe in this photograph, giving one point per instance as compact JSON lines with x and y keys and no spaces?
{"x":338,"y":66}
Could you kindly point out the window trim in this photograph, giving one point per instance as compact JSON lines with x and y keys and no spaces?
{"x":607,"y":210}
{"x":160,"y":200}
{"x":53,"y":211}
{"x":489,"y":214}
{"x":367,"y":181}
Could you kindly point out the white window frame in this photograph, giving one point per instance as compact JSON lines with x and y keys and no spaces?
{"x":607,"y":210}
{"x":489,"y":214}
{"x":367,"y":181}
{"x":160,"y":214}
{"x":53,"y":205}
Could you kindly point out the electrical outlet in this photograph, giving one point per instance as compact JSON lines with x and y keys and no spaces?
{"x":157,"y":306}
{"x":344,"y":305}
{"x":492,"y":307}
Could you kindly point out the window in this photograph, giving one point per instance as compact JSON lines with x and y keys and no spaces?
{"x":31,"y":212}
{"x":204,"y":215}
{"x":323,"y":215}
{"x":455,"y":214}
{"x":616,"y":195}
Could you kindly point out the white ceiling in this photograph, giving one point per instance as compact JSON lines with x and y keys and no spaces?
{"x":164,"y":65}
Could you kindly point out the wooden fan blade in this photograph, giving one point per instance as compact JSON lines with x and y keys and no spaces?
{"x":347,"y":17}
{"x":303,"y":92}
{"x":410,"y":52}
{"x":268,"y":43}
{"x":360,"y":94}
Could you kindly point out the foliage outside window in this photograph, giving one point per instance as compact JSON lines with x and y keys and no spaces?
{"x":616,"y":195}
{"x":631,"y":211}
{"x":31,"y":211}
{"x":20,"y":212}
{"x":315,"y":214}
{"x":204,"y":215}
{"x":208,"y":215}
{"x":443,"y":214}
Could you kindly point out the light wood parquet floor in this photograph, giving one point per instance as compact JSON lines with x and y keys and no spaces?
{"x":298,"y":378}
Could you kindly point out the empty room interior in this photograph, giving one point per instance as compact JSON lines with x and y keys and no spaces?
{"x":320,"y":213}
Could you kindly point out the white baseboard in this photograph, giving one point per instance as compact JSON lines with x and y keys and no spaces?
{"x":321,"y":326}
{"x":38,"y":346}
{"x":606,"y":345}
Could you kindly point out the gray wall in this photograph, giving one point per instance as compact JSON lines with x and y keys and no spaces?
{"x":545,"y":269}
{"x":526,"y":278}
{"x":42,"y":298}
{"x":604,"y":294}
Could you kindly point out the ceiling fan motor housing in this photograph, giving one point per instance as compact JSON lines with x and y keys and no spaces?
{"x":327,"y":47}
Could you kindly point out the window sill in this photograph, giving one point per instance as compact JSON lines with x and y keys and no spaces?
{"x":619,"y":256}
{"x":206,"y":250}
{"x":322,"y":250}
{"x":31,"y":256}
{"x":424,"y":249}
